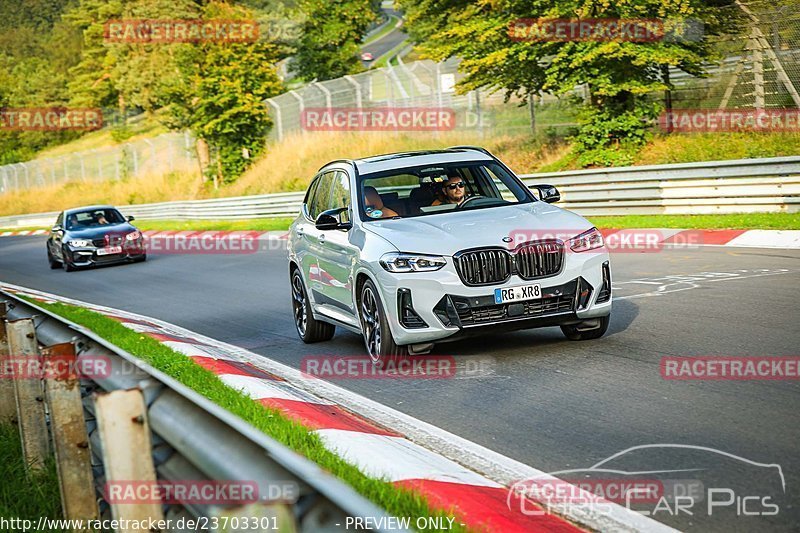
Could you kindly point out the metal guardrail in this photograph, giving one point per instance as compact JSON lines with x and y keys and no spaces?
{"x":743,"y":185}
{"x":193,"y":438}
{"x":708,"y":187}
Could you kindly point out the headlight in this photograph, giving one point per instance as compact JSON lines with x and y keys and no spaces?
{"x":403,"y":262}
{"x":132,"y":236}
{"x":79,"y":243}
{"x":588,"y":240}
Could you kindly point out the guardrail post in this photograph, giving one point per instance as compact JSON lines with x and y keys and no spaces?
{"x":70,"y":439}
{"x":8,"y":409}
{"x":28,"y":392}
{"x":125,"y":437}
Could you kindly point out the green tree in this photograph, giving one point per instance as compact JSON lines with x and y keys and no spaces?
{"x":331,"y":36}
{"x":220,"y":92}
{"x":618,"y":74}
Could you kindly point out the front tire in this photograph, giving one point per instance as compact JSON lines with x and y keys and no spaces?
{"x":54,"y":265}
{"x":375,"y":326}
{"x":593,"y":328}
{"x":67,"y":266}
{"x":308,"y":328}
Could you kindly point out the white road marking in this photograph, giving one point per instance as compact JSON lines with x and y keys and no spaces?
{"x":396,"y":458}
{"x":684,"y":282}
{"x":260,"y":389}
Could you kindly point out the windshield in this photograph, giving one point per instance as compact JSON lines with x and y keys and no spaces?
{"x":421,"y":191}
{"x":94,"y":218}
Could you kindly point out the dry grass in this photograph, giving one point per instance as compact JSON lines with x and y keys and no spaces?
{"x":288,"y":166}
{"x":156,"y":188}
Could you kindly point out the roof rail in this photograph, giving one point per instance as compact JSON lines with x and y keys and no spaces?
{"x":468,"y":147}
{"x":336,"y":161}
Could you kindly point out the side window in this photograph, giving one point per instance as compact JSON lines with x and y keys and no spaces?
{"x":340,"y":193}
{"x":309,"y":199}
{"x":505,"y":192}
{"x":320,"y":197}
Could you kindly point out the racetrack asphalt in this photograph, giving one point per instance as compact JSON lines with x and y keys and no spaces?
{"x":545,"y":401}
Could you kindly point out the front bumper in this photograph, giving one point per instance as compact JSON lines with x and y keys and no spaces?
{"x":448,"y":310}
{"x":88,"y":256}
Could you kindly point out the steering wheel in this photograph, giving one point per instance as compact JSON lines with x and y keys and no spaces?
{"x":467,"y":200}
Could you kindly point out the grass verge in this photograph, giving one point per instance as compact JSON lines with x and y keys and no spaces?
{"x":23,"y":496}
{"x":784,"y":221}
{"x":254,"y":224}
{"x":397,"y":501}
{"x":778,"y":221}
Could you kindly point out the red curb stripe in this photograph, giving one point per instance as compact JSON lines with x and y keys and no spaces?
{"x":721,"y":236}
{"x":162,"y":337}
{"x":318,"y":416}
{"x":486,"y":508}
{"x":230,"y":366}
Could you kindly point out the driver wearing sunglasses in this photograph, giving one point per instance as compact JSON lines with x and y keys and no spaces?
{"x":454,"y":190}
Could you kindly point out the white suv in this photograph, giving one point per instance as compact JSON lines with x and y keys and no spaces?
{"x":414,"y":248}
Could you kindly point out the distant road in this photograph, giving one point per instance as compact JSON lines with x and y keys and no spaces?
{"x":387,"y":42}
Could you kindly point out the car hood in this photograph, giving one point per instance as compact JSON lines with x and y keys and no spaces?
{"x":100,"y":231}
{"x":448,"y":233}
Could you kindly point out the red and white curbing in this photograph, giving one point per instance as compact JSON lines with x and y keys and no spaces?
{"x":468,"y":480}
{"x":755,"y":238}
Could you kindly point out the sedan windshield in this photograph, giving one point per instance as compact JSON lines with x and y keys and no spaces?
{"x":93,"y":218}
{"x":421,"y":191}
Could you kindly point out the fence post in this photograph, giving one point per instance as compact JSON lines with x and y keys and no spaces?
{"x":357,"y":86}
{"x":278,"y":118}
{"x":8,"y":409}
{"x":758,"y":72}
{"x":125,"y":437}
{"x":70,"y":439}
{"x":28,"y":392}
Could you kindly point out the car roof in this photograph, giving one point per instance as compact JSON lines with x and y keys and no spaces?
{"x":88,"y":208}
{"x":380,"y":163}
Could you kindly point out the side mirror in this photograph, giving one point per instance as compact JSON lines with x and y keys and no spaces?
{"x":547,"y":193}
{"x":332,"y":219}
{"x":55,"y":228}
{"x":130,"y":218}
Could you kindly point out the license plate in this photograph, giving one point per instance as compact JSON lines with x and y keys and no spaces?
{"x":108,"y":250}
{"x":517,"y":294}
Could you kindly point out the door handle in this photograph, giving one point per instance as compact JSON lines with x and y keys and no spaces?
{"x":322,"y":238}
{"x":301,"y":232}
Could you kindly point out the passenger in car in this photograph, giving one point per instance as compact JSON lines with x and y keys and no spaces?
{"x":453,"y":190}
{"x":374,"y":204}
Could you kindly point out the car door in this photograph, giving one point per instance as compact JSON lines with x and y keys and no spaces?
{"x":338,"y":255}
{"x":308,"y":234}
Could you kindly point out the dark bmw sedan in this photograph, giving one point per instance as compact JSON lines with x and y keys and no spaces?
{"x":96,"y":235}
